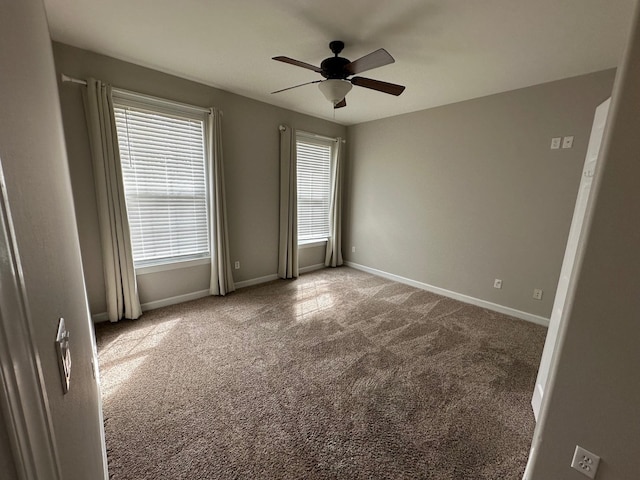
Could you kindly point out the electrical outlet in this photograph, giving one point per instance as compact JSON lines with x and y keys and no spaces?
{"x":353,"y":249}
{"x":497,"y":283}
{"x":237,"y":265}
{"x":567,"y":142}
{"x":585,"y":462}
{"x":555,"y":143}
{"x":537,"y":293}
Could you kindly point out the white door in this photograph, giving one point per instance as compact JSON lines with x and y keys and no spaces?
{"x":23,"y":398}
{"x":570,"y":253}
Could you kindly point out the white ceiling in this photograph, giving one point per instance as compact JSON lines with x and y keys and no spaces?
{"x":446,"y":50}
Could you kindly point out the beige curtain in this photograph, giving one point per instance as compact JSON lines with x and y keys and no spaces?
{"x":117,"y":257}
{"x":221,"y":273}
{"x":288,"y":243}
{"x":333,"y":257}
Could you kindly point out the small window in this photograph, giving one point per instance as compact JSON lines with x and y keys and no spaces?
{"x":162,"y":151}
{"x":314,"y":188}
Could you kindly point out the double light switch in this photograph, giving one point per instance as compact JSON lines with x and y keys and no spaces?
{"x":64,"y":354}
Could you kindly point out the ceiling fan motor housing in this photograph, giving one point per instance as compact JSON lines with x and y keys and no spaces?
{"x":333,"y":67}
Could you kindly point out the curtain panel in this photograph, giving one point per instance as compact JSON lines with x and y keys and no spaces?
{"x":221,"y":273}
{"x":117,"y":257}
{"x":333,"y":256}
{"x":288,"y":239}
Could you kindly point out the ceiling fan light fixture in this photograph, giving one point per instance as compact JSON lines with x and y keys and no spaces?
{"x":335,"y":89}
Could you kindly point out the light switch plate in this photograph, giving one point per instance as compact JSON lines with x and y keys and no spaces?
{"x":555,"y":143}
{"x":64,"y":355}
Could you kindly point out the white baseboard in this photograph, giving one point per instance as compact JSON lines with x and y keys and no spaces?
{"x":456,"y":296}
{"x":104,"y":317}
{"x":274,"y":276}
{"x":164,"y":302}
{"x":100,"y":317}
{"x":536,"y":400}
{"x":311,"y":268}
{"x":257,"y":281}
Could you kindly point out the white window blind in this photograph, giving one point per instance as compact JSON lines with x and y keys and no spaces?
{"x":314,"y":188}
{"x":163,"y":167}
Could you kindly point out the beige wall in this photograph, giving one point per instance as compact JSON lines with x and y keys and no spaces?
{"x":311,"y":256}
{"x":7,"y":466}
{"x":250,"y":142}
{"x":458,"y":195}
{"x":593,"y":397}
{"x":39,"y":192}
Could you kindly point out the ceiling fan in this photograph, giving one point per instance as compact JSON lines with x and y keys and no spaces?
{"x":336,"y":71}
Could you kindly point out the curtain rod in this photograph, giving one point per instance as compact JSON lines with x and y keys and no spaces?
{"x":67,"y":78}
{"x":282,"y":128}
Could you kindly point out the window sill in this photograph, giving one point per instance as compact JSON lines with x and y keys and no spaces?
{"x":312,"y":243}
{"x":173,"y":266}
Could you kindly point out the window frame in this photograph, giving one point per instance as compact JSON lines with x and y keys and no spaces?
{"x":312,"y":138}
{"x":127,"y":99}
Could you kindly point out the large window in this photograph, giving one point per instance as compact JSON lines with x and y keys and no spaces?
{"x":162,"y":150}
{"x":314,"y":188}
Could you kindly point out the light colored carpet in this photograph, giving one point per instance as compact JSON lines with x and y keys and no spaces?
{"x":336,"y":375}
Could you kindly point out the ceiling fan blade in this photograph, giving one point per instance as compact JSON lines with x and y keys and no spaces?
{"x":298,"y":63}
{"x":374,"y":60}
{"x":385,"y":87}
{"x":296,"y":86}
{"x":341,"y":103}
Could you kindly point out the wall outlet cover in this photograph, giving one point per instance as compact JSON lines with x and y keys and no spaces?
{"x":585,"y":462}
{"x":567,"y":142}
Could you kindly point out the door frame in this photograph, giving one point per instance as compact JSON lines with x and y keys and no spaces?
{"x":23,"y":396}
{"x":575,"y":239}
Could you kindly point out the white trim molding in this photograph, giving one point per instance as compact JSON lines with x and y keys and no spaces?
{"x":257,"y":281}
{"x":274,"y":276}
{"x":536,"y":400}
{"x":100,"y":317}
{"x":165,"y":302}
{"x":311,"y":268}
{"x":23,"y":396}
{"x":529,"y":317}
